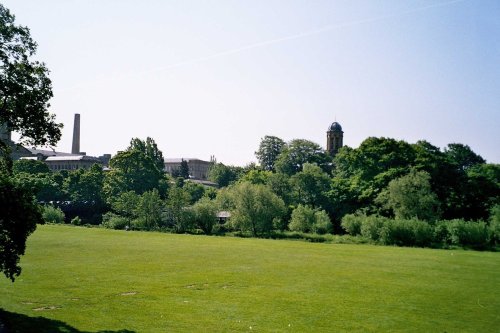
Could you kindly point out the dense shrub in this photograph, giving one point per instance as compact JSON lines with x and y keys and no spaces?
{"x":414,"y":232}
{"x":302,"y":219}
{"x":52,"y":214}
{"x":371,"y":226}
{"x":442,"y":232}
{"x":307,"y":219}
{"x":114,"y":221}
{"x":495,"y":224}
{"x":352,"y":224}
{"x":322,"y":223}
{"x":205,"y":215}
{"x":407,"y":233}
{"x":472,"y":234}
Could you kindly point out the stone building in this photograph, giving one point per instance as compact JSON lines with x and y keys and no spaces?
{"x":334,"y":138}
{"x":198,"y":169}
{"x":72,"y":162}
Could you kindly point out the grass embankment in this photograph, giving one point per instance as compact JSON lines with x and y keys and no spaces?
{"x":81,"y":279}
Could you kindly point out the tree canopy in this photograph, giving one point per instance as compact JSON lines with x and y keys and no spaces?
{"x":150,"y":149}
{"x":25,"y":91}
{"x":134,"y":171}
{"x":298,"y":152}
{"x":25,"y":88}
{"x":270,"y":148}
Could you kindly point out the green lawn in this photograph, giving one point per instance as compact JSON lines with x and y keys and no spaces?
{"x":90,"y":280}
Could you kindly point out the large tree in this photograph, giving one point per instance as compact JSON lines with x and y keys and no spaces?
{"x":254,"y":208}
{"x":223,"y":175}
{"x":85,"y":190}
{"x":298,"y":152}
{"x":269,"y":149}
{"x":134,"y":171}
{"x":311,"y":186}
{"x":25,"y":90}
{"x":150,"y":149}
{"x":411,"y":196}
{"x":462,"y":156}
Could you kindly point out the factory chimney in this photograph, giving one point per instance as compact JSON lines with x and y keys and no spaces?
{"x":75,"y":149}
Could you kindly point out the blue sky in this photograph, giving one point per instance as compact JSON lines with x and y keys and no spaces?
{"x":213,"y":77}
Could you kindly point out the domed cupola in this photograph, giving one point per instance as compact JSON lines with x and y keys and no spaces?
{"x":335,"y":127}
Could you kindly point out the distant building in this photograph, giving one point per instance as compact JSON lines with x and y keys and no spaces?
{"x":198,"y":169}
{"x":55,"y":160}
{"x":73,"y":162}
{"x":17,"y":151}
{"x":334,"y":138}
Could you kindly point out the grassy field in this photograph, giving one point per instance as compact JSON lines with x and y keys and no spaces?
{"x":96,"y":280}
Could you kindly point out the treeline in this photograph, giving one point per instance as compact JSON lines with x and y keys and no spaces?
{"x":386,"y":191}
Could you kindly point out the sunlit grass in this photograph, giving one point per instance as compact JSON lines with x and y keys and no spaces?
{"x":96,"y":279}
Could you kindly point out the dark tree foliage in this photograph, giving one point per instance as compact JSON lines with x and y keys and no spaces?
{"x":25,"y":90}
{"x":361,"y":174}
{"x":223,"y":175}
{"x":196,"y":191}
{"x":30,"y":166}
{"x":462,"y":157}
{"x":85,"y":190}
{"x":132,"y":171}
{"x":311,"y":186}
{"x":184,"y":170}
{"x":19,"y":215}
{"x":43,"y":185}
{"x":464,"y":185}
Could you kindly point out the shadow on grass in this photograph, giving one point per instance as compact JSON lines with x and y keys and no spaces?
{"x":20,"y":323}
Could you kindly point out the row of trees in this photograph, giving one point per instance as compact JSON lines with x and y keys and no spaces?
{"x":384,"y":176}
{"x":297,"y":187}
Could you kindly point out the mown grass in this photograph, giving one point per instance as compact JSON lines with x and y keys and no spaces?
{"x":105,"y":280}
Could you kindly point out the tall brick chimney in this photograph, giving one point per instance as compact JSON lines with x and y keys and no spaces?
{"x":75,"y":149}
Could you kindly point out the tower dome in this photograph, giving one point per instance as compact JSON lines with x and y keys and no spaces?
{"x":335,"y":126}
{"x":334,"y":138}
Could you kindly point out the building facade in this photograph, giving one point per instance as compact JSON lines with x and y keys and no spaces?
{"x":73,"y":162}
{"x":198,"y":169}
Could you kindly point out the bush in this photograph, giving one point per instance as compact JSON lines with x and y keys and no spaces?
{"x":307,"y":219}
{"x":442,"y":233}
{"x":219,"y":229}
{"x":322,"y":223}
{"x":371,"y":226}
{"x":351,"y":223}
{"x":472,"y":234}
{"x":205,"y":215}
{"x":495,"y":224}
{"x":113,"y":221}
{"x":302,"y":219}
{"x":407,"y":233}
{"x":52,"y":214}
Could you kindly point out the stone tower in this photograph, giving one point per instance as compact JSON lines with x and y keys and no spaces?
{"x":334,"y":138}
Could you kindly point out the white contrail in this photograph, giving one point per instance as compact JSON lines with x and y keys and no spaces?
{"x":302,"y":35}
{"x":281,"y":39}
